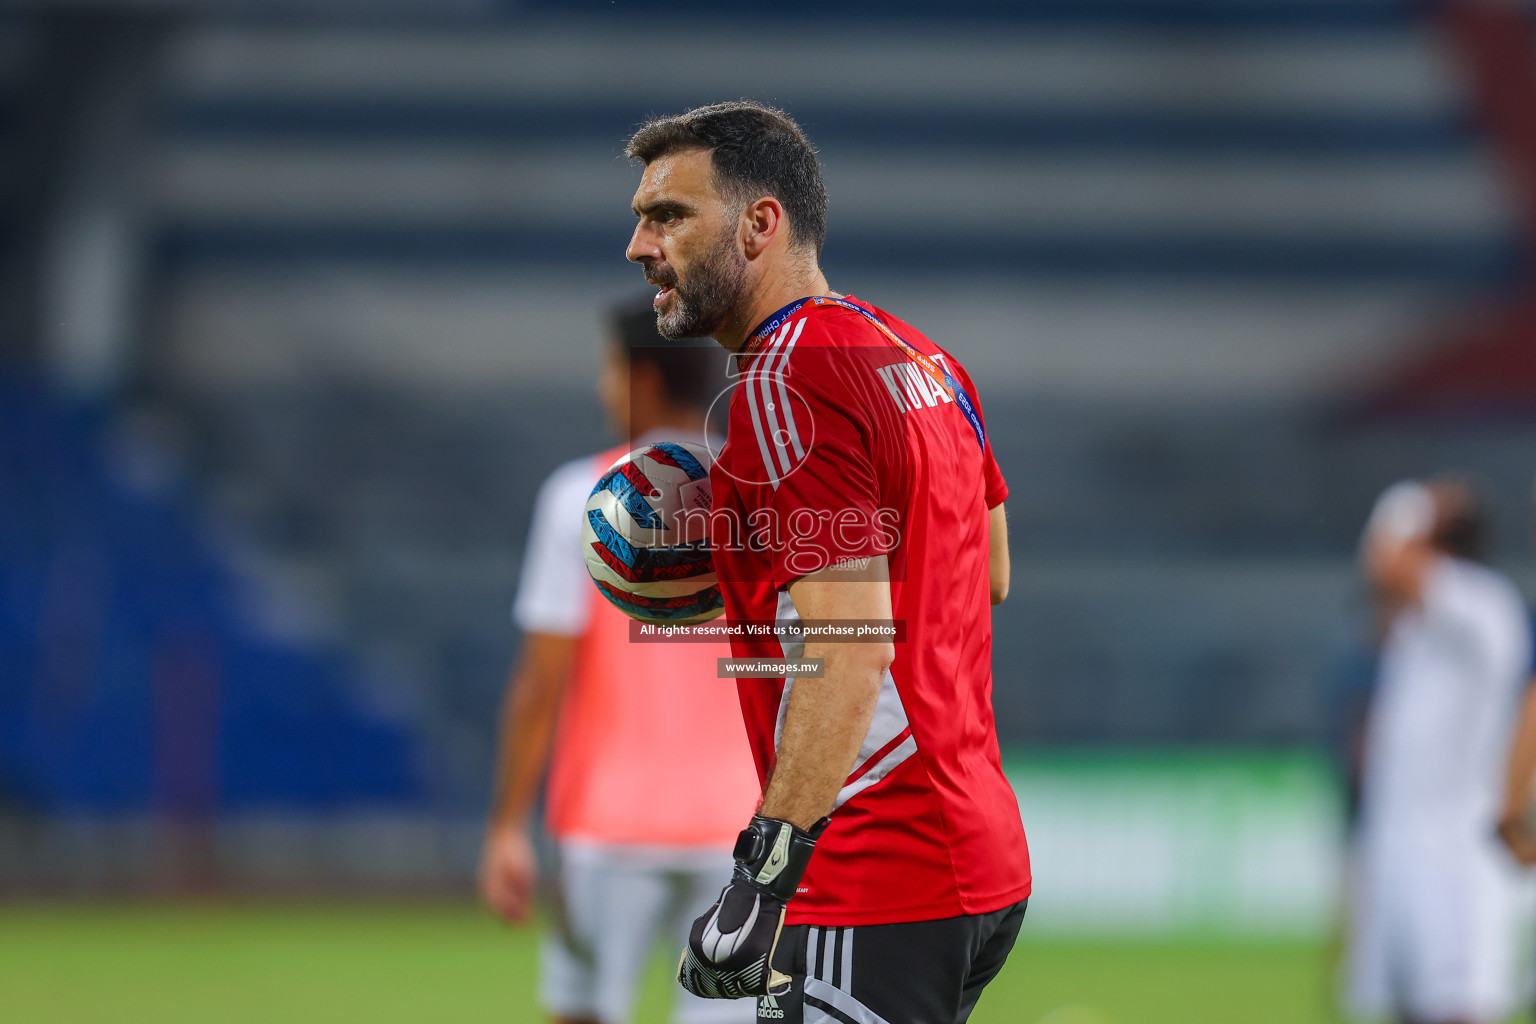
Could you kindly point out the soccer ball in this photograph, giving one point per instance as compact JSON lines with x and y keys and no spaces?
{"x":647,"y":555}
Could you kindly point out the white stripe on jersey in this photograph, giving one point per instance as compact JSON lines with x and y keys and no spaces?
{"x":789,"y":413}
{"x":761,"y":393}
{"x":775,"y":436}
{"x":772,"y":360}
{"x":887,"y":764}
{"x":885,"y":726}
{"x":757,"y":420}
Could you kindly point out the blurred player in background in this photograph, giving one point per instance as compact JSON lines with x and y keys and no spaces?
{"x":885,"y":876}
{"x":1433,"y":930}
{"x":650,"y":775}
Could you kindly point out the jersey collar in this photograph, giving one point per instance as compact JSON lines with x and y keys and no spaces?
{"x":766,"y":329}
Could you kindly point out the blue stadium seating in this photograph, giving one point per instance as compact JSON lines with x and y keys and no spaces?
{"x":129,"y":681}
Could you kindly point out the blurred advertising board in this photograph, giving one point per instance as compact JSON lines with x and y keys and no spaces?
{"x":1180,"y":843}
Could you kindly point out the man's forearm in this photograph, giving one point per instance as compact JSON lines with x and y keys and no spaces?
{"x":828,"y":718}
{"x":997,"y":553}
{"x":1522,"y":761}
{"x":528,"y":726}
{"x":824,"y":727}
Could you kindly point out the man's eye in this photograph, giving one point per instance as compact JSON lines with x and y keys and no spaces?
{"x":666,"y":216}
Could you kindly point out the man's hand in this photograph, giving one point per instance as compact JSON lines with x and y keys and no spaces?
{"x":508,"y":870}
{"x":508,"y":867}
{"x":1516,"y":832}
{"x":730,"y":949}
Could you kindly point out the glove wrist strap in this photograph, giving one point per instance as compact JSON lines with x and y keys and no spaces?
{"x":771,"y":854}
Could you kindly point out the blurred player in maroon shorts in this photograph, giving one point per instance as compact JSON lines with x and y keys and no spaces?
{"x":857,"y":483}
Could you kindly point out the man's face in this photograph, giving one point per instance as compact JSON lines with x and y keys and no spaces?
{"x":686,"y":240}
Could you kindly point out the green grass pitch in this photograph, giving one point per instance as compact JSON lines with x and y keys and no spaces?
{"x":241,"y":963}
{"x":386,"y":963}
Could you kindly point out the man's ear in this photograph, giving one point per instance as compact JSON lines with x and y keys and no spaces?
{"x":760,"y":224}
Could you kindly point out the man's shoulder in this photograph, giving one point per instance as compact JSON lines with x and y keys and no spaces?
{"x":1479,"y":578}
{"x":827,"y":332}
{"x":827,"y":323}
{"x":848,"y":314}
{"x":845,"y":327}
{"x":1472,"y":583}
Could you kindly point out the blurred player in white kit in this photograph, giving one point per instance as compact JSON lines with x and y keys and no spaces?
{"x":1434,"y":915}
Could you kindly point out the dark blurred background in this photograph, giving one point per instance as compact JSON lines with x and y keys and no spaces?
{"x":300,"y":301}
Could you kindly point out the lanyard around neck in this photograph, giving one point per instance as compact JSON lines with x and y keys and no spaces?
{"x":938,"y":374}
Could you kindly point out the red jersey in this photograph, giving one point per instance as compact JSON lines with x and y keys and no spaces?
{"x":841,"y":447}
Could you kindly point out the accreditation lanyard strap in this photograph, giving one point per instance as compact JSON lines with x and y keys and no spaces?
{"x":937,"y":373}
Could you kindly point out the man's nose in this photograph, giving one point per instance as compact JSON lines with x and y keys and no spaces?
{"x":641,"y":248}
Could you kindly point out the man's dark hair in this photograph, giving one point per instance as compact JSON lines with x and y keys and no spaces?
{"x":688,"y":366}
{"x":1464,"y":523}
{"x":756,"y":150}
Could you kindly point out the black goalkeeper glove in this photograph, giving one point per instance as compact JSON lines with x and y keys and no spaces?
{"x":730,"y":948}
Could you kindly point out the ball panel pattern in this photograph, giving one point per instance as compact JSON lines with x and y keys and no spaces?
{"x":634,"y":541}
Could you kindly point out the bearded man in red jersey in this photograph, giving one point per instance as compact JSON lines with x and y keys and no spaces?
{"x":885,"y":875}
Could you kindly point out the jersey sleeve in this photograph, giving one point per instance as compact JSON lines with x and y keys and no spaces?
{"x":810,"y":443}
{"x":997,"y":486}
{"x":552,"y":592}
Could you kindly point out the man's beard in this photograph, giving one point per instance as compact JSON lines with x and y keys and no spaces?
{"x":716,"y":285}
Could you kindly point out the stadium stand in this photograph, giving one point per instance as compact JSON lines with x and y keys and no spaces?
{"x":1172,"y":239}
{"x":134,"y":681}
